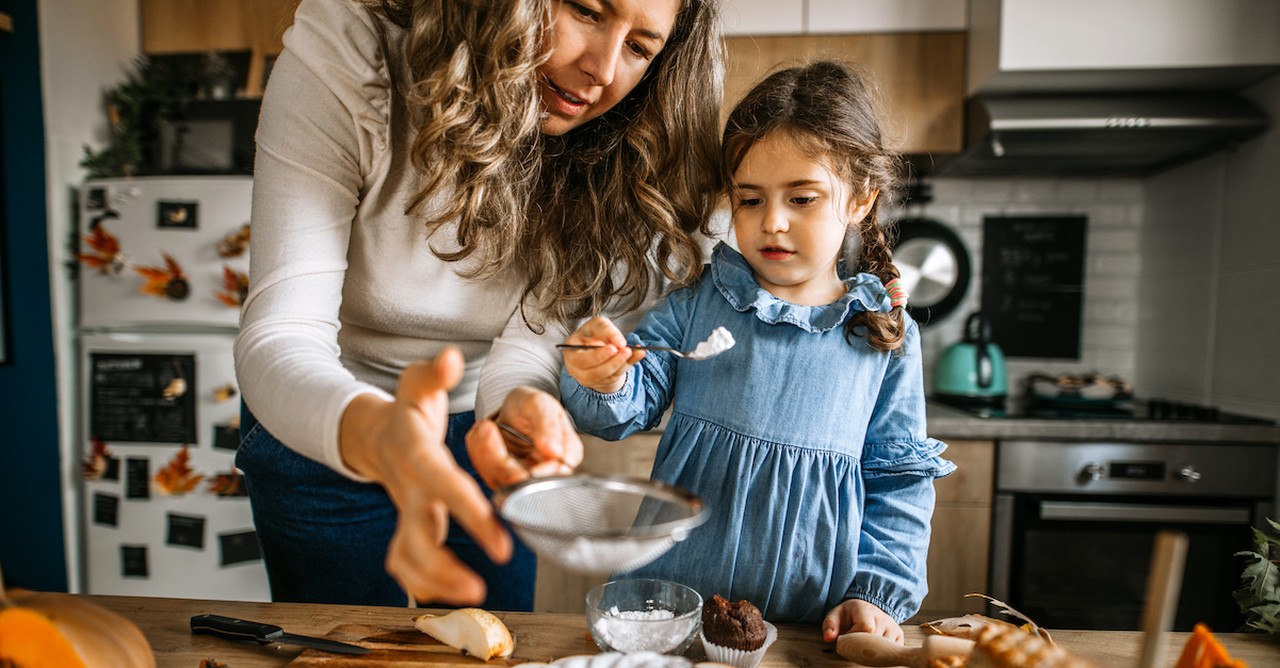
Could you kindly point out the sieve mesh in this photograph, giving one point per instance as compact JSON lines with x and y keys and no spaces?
{"x":599,"y":524}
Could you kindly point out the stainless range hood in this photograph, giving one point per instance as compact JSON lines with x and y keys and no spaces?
{"x":1099,"y":135}
{"x":1098,"y":87}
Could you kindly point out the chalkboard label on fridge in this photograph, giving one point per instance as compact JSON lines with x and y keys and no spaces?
{"x":142,"y":398}
{"x":1033,"y":283}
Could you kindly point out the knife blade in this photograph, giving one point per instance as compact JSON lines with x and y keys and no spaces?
{"x":243,"y":629}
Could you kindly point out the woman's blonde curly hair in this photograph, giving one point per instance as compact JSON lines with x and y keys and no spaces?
{"x":584,"y":215}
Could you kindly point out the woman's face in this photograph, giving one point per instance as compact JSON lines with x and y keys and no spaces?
{"x":790,"y":214}
{"x":601,"y":49}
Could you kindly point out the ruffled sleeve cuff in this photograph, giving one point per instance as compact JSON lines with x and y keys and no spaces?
{"x":610,"y":415}
{"x":898,"y":602}
{"x":908,"y":457}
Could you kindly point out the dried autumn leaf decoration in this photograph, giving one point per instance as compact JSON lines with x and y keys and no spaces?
{"x":175,"y":389}
{"x":104,"y":252}
{"x":167,"y":281}
{"x":234,"y":244}
{"x":1259,"y":594}
{"x":224,"y":393}
{"x":95,"y":465}
{"x":971,"y":625}
{"x":177,"y":477}
{"x":235,"y":287}
{"x":228,"y":484}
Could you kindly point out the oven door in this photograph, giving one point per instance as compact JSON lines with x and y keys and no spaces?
{"x":1081,"y":562}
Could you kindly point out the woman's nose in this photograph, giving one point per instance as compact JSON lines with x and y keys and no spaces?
{"x":600,"y":59}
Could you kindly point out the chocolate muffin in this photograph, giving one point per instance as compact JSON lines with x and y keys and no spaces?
{"x":734,"y":625}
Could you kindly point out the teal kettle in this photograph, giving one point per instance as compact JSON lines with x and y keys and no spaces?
{"x":971,"y":373}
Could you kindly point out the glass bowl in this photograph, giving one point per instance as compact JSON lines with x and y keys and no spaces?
{"x":643,"y":615}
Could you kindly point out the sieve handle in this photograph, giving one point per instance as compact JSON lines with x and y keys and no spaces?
{"x":528,"y":445}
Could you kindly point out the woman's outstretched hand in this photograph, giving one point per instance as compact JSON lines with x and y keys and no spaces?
{"x":401,"y":445}
{"x":552,"y":444}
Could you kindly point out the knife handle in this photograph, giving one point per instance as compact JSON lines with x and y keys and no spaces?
{"x":235,"y":629}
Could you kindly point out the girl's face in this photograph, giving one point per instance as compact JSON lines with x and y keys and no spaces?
{"x":601,"y":49}
{"x":790,"y":214}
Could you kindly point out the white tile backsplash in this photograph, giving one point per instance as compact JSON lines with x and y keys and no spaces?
{"x":1112,"y":263}
{"x":1210,"y":287}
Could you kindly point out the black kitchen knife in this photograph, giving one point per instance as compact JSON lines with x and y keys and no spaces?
{"x":243,"y":629}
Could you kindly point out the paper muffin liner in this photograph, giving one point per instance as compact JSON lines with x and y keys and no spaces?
{"x":741,"y":658}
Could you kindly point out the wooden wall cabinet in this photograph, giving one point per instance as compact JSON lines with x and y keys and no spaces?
{"x":920,"y":76}
{"x":960,"y":550}
{"x":198,"y":26}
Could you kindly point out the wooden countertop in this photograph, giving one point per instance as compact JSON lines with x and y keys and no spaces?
{"x":539,"y":636}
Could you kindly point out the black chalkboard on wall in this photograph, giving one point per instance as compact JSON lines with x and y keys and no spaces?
{"x":1033,"y":283}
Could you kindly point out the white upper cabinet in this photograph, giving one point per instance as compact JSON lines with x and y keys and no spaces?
{"x":763,"y":17}
{"x":819,"y":17}
{"x":1016,"y":44}
{"x":874,"y":16}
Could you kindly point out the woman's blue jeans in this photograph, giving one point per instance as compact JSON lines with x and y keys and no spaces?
{"x":324,"y":537}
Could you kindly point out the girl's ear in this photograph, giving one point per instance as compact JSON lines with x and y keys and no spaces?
{"x":859,"y":209}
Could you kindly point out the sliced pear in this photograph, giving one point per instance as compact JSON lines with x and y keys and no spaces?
{"x":472,"y":630}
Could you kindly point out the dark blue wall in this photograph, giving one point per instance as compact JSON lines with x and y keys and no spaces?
{"x":31,"y":538}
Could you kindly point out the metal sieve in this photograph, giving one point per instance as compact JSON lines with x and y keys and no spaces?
{"x":599,"y":524}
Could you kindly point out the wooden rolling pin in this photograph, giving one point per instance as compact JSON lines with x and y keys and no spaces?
{"x":876,"y":651}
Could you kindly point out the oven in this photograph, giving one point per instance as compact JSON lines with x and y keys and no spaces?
{"x":1074,"y":526}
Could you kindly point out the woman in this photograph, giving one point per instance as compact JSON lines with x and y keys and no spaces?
{"x":436,"y":172}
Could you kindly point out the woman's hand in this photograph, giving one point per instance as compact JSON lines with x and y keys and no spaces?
{"x":858,"y":615}
{"x":553,"y":445}
{"x":401,"y":445}
{"x":602,"y":369}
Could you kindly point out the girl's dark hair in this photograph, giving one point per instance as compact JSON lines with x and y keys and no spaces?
{"x":581,"y":215}
{"x":829,"y":109}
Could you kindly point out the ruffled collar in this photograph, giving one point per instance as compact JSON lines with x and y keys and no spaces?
{"x":733,"y":278}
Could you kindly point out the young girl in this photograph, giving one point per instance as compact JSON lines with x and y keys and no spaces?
{"x":807,"y":438}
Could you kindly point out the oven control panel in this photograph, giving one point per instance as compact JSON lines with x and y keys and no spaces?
{"x":1234,"y":470}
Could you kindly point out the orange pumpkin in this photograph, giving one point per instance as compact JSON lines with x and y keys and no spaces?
{"x":39,"y":630}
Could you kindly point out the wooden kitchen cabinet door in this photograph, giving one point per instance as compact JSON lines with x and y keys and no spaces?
{"x":921,"y":77}
{"x":200,"y":26}
{"x":960,"y":548}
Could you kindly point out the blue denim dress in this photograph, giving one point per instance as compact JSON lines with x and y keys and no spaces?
{"x":809,"y":450}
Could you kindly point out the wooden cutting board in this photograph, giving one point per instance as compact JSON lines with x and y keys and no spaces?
{"x":404,"y":646}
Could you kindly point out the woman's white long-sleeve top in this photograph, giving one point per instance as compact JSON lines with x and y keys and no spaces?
{"x":344,"y":288}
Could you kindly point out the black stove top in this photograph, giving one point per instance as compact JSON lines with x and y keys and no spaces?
{"x":1150,"y":410}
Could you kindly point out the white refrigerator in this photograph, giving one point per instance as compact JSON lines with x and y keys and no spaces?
{"x":163,"y":266}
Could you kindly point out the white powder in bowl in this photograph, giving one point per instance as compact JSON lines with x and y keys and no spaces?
{"x":643,"y":630}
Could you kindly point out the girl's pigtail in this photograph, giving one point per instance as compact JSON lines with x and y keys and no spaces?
{"x":883,"y":331}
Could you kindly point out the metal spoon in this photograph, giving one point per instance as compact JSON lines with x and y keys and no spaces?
{"x":673,"y":351}
{"x":719,"y":341}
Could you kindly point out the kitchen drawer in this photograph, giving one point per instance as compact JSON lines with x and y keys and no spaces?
{"x":972,"y":483}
